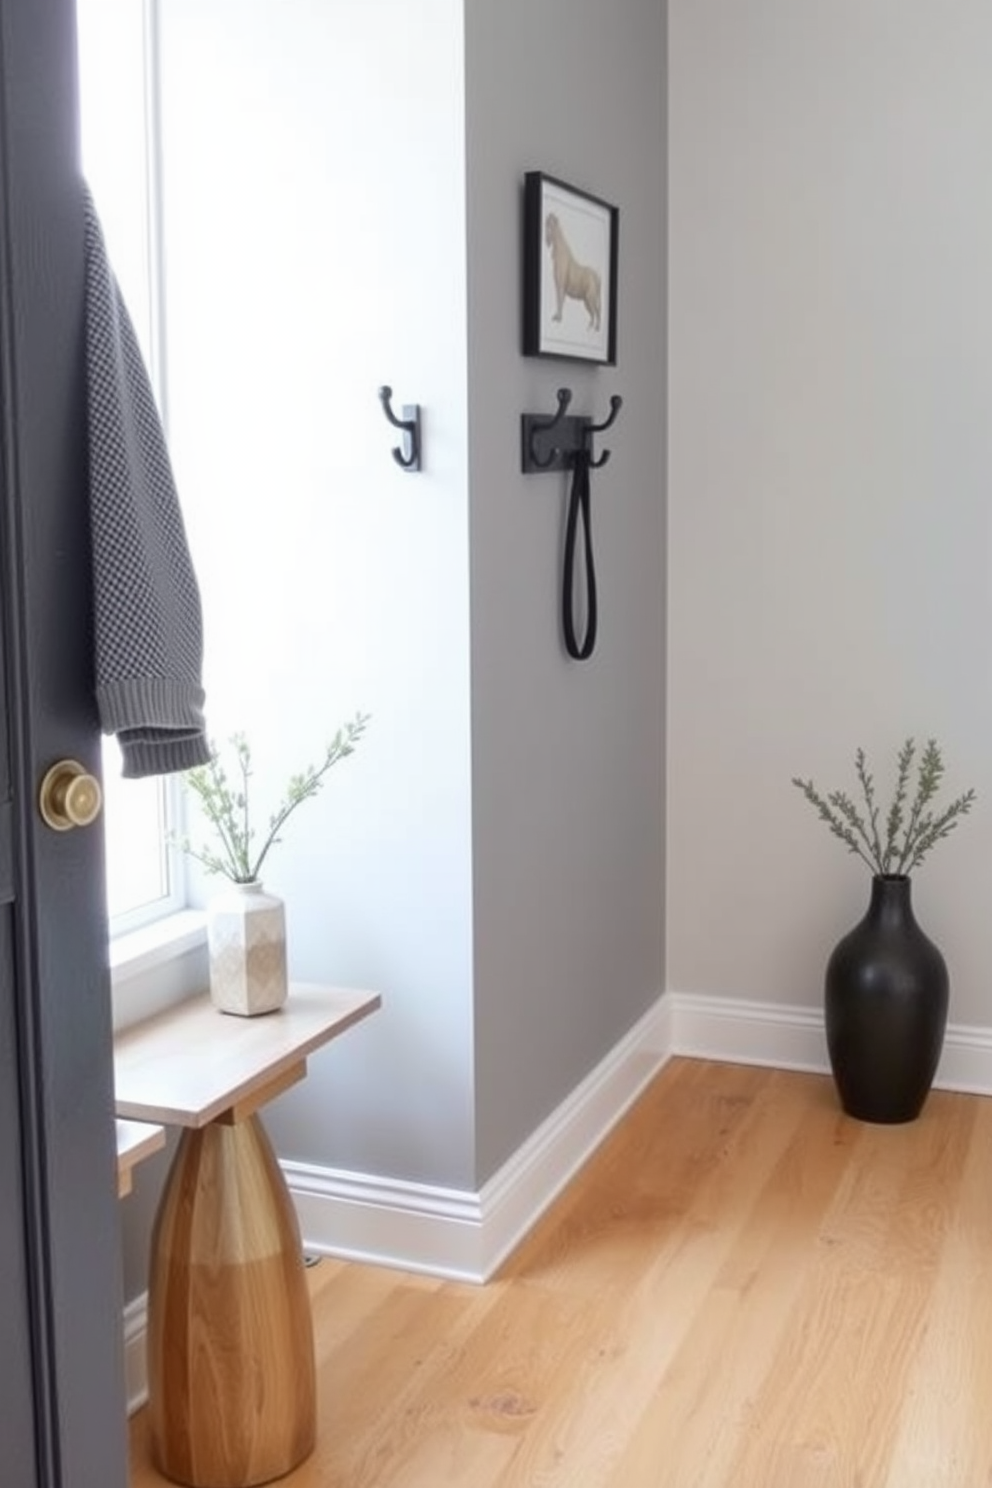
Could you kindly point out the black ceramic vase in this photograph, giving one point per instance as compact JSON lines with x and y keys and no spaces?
{"x":886,"y":1009}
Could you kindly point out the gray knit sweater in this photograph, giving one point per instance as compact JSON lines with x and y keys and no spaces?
{"x":147,"y":617}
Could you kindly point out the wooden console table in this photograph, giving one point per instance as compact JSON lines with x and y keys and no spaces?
{"x":136,"y":1140}
{"x":231,"y":1384}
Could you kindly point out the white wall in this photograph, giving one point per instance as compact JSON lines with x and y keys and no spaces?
{"x":319,"y":243}
{"x":314,"y":209}
{"x":831,"y":450}
{"x":315,"y":167}
{"x":568,"y":757}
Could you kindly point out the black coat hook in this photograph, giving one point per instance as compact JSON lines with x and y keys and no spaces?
{"x":564,"y":442}
{"x":554,"y":443}
{"x":616,"y":403}
{"x":547,"y":426}
{"x":410,"y":425}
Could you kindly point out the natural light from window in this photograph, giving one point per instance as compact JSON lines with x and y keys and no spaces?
{"x":119,"y":141}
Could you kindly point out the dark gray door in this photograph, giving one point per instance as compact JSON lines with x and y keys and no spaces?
{"x":62,"y":1412}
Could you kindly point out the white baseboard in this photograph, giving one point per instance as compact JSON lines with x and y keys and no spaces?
{"x":135,"y":1334}
{"x":748,"y":1032}
{"x":793,"y":1038}
{"x":409,"y":1225}
{"x":517,"y":1195}
{"x":966,"y":1063}
{"x":465,"y":1235}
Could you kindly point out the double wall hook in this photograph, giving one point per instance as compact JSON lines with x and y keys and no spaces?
{"x":547,"y":426}
{"x":407,"y":457}
{"x":616,"y":403}
{"x":564,"y":442}
{"x":552,"y":443}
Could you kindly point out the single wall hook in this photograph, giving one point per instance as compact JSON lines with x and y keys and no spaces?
{"x":407,"y":458}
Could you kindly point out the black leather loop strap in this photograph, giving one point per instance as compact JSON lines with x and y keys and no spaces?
{"x":579,"y":505}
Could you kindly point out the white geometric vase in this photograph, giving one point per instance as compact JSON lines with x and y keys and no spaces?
{"x":246,"y":940}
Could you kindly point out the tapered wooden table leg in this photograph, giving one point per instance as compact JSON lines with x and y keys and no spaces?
{"x":230,"y":1334}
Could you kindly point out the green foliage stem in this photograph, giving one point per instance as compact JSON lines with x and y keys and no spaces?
{"x":908,"y":839}
{"x":227,"y":807}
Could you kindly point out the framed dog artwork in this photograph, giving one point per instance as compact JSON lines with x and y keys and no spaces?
{"x":570,"y":272}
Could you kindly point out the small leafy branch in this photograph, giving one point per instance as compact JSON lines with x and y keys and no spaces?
{"x":909,"y":831}
{"x":228,"y":810}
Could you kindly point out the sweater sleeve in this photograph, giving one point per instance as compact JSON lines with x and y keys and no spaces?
{"x":147,"y":615}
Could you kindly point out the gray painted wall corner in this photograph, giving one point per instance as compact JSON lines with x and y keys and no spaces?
{"x":568,"y":758}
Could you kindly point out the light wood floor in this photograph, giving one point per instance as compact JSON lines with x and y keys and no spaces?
{"x":742,"y":1288}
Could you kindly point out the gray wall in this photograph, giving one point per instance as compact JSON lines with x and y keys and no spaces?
{"x":831,"y":444}
{"x":568,"y":758}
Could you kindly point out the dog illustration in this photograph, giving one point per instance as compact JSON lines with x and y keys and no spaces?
{"x":573,"y":281}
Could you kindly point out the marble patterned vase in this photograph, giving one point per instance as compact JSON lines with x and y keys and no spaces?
{"x":246,"y":940}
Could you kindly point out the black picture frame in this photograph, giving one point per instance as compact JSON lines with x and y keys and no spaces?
{"x":570,"y":272}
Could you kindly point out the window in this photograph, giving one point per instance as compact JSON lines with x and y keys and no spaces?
{"x":144,"y":874}
{"x":117,"y":42}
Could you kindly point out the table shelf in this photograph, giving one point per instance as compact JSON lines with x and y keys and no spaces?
{"x":136,"y":1140}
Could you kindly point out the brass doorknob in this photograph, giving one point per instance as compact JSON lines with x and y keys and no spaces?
{"x":69,"y":796}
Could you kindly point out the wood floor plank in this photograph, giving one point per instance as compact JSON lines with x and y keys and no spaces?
{"x":639,"y":1314}
{"x":829,"y":1407}
{"x":739,"y":1326}
{"x":947,"y":1392}
{"x":413,"y":1340}
{"x":743,"y":1287}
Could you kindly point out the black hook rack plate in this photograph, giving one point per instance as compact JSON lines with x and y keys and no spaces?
{"x":543,"y":449}
{"x":551,"y":443}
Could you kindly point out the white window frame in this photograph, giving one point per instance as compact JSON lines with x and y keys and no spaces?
{"x":175,"y":898}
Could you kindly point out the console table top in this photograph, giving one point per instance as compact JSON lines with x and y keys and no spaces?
{"x":190,"y":1064}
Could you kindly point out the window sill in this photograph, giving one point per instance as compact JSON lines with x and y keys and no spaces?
{"x":141,"y":950}
{"x":157,"y":965}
